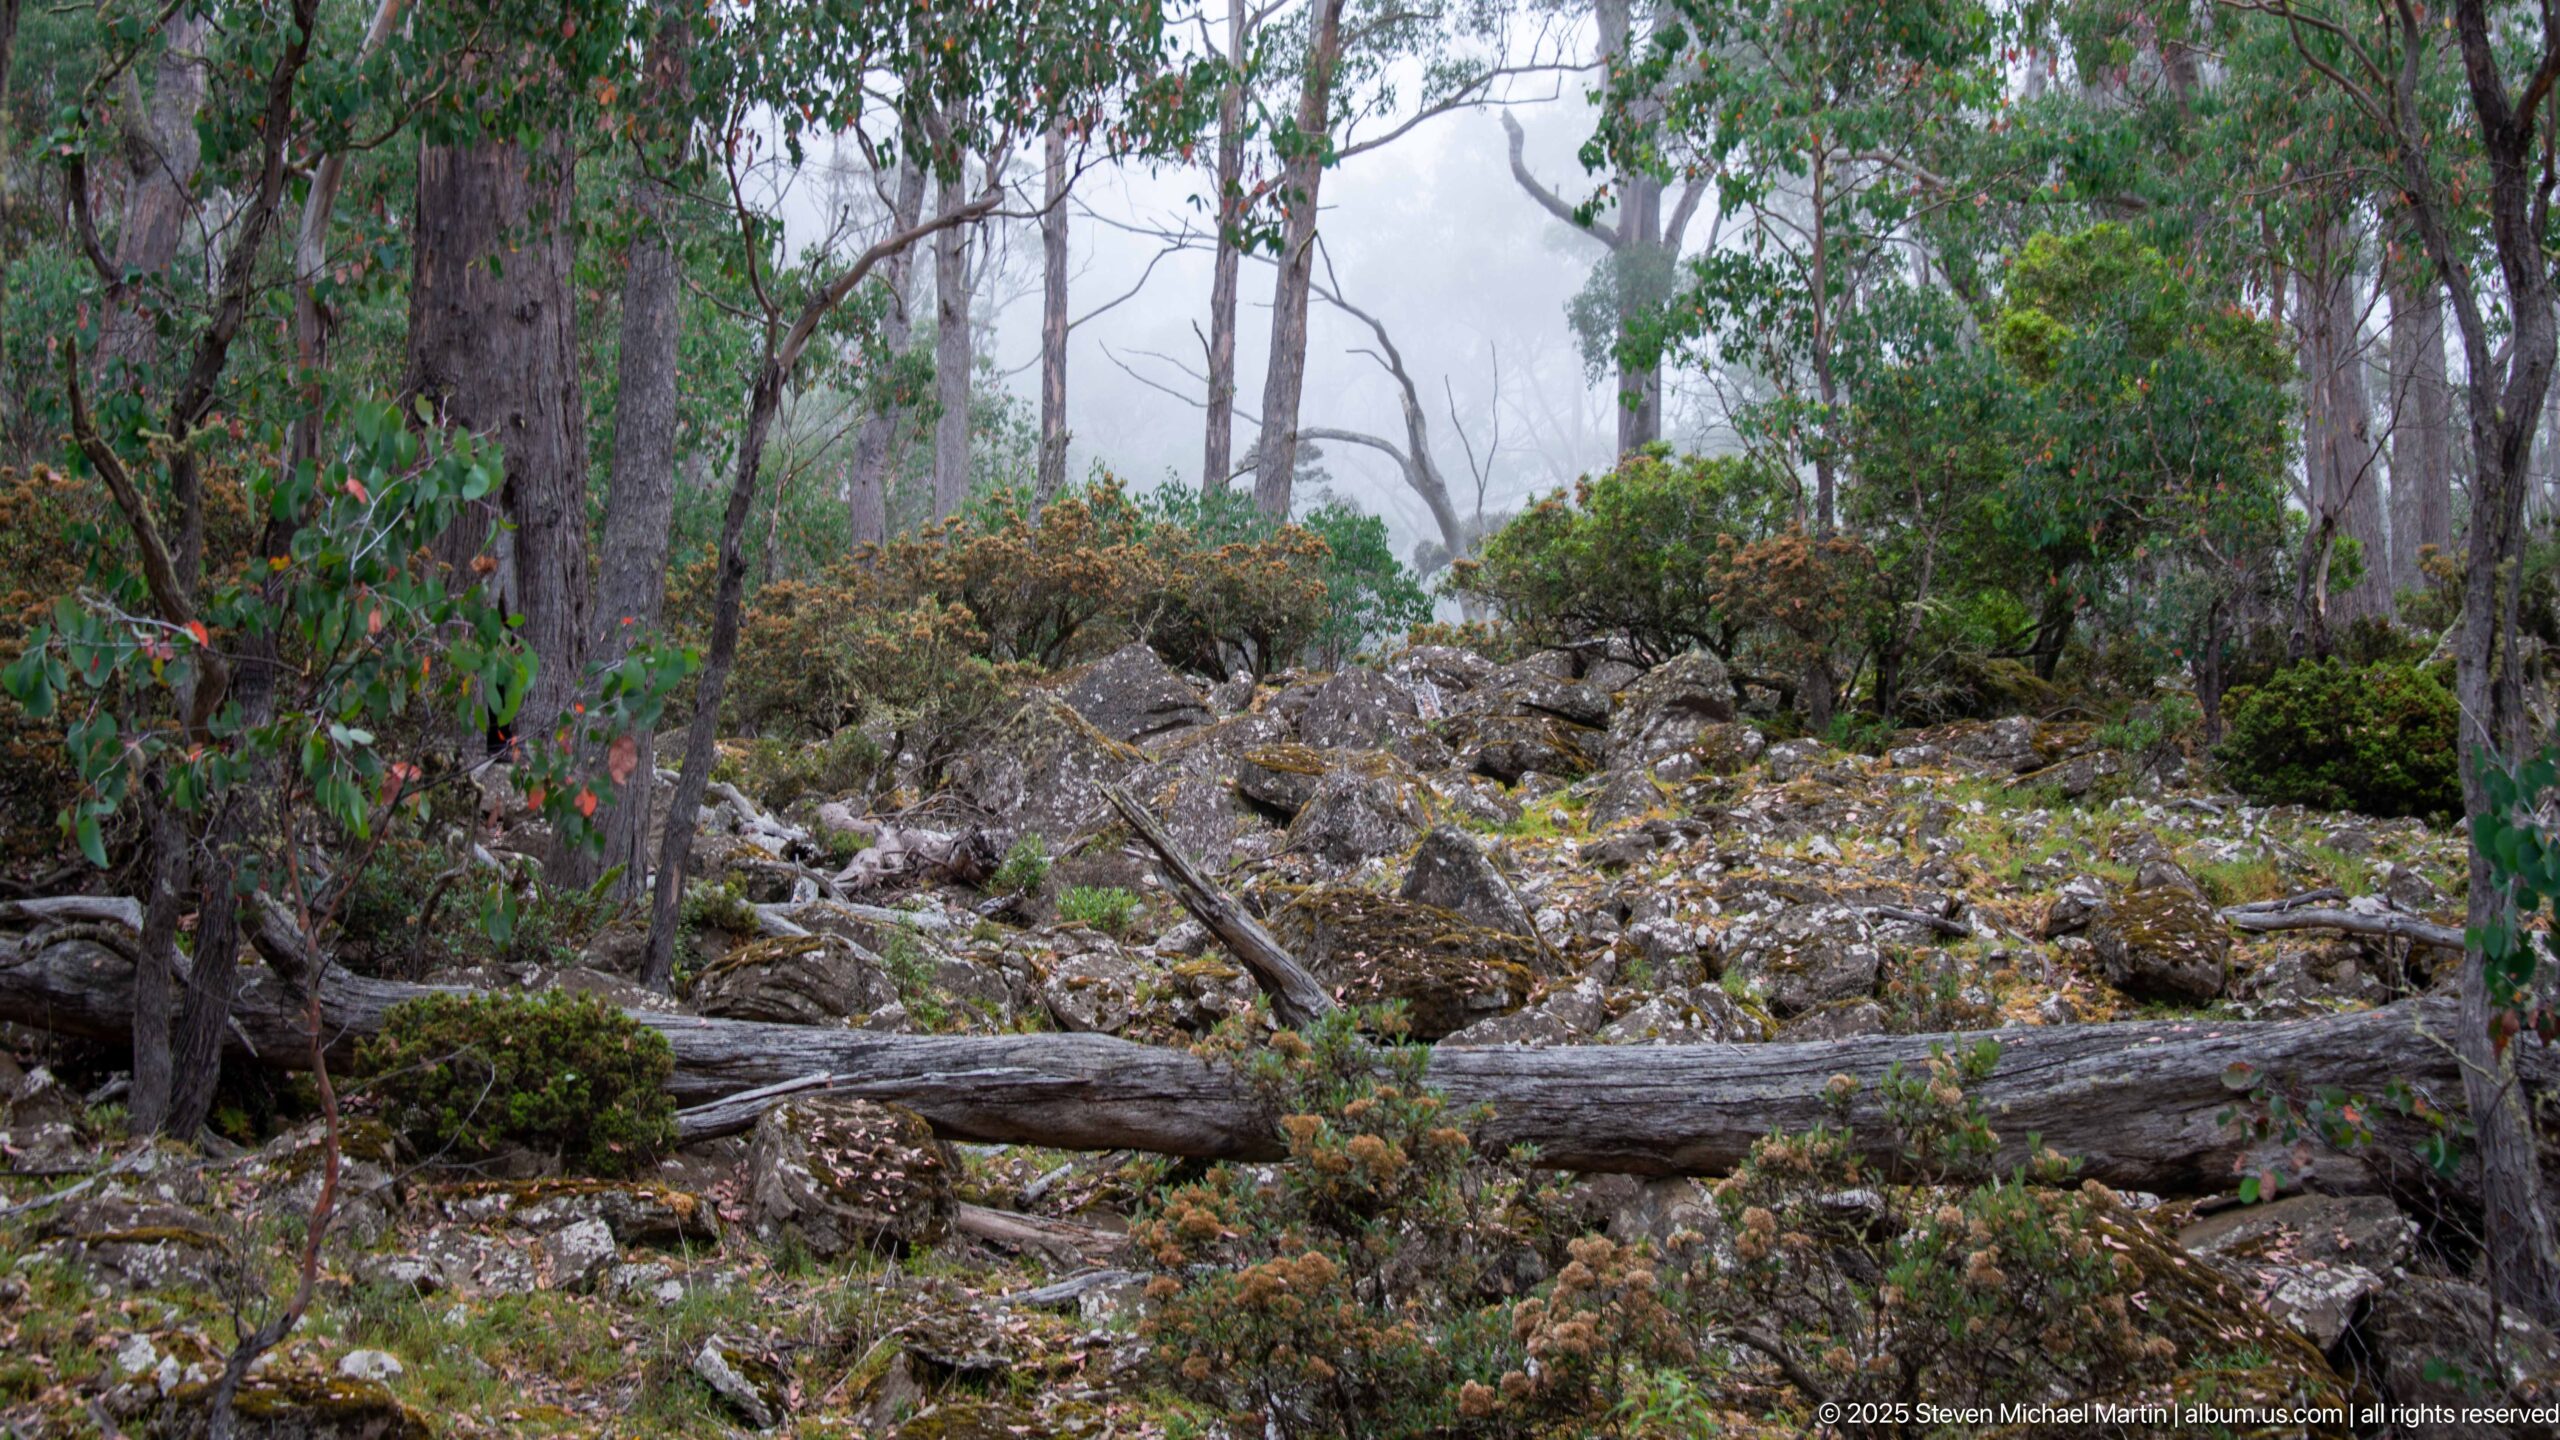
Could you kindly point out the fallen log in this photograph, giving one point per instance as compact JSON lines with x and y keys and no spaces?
{"x":1296,"y":996}
{"x":2139,"y":1103}
{"x":2385,"y":924}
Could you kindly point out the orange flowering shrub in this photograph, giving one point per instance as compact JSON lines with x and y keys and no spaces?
{"x":1351,"y":1293}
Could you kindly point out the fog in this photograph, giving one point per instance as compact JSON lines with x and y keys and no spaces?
{"x":1430,"y":234}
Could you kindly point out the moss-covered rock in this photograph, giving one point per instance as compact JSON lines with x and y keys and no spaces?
{"x":2162,"y":944}
{"x":296,"y":1406}
{"x":793,"y":980}
{"x":1449,"y":973}
{"x":850,"y":1177}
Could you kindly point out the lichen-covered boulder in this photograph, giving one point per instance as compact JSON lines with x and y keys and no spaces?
{"x":849,"y":1176}
{"x":1728,"y":748}
{"x":1698,"y":1015}
{"x":2431,"y":1339}
{"x":1509,"y":744}
{"x":751,"y":1383}
{"x":2164,"y":944}
{"x":1134,"y":697}
{"x":1624,"y":795}
{"x":1194,"y":787}
{"x":2314,"y":1260}
{"x":797,"y":980}
{"x":1375,"y":948}
{"x":1450,"y":870}
{"x":1354,"y":709}
{"x":1438,"y":674}
{"x":1358,"y":814}
{"x":1798,"y":957}
{"x":1093,"y":990}
{"x":1669,"y":710}
{"x":1042,"y":770}
{"x":1279,"y":778}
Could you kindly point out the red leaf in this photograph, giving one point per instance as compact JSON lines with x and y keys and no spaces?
{"x":622,"y":758}
{"x":196,"y":628}
{"x":587,"y":802}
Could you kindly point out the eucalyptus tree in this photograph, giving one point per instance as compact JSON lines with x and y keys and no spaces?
{"x":2497,"y":147}
{"x":936,"y":86}
{"x":1813,"y":119}
{"x":1345,"y":57}
{"x":1641,"y":241}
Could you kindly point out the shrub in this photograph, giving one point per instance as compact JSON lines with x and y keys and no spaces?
{"x":1629,"y":554}
{"x":561,"y":1073}
{"x":1025,"y":868}
{"x":1347,"y":1294}
{"x":1970,"y":1289}
{"x":777,"y":772}
{"x":394,"y":923}
{"x":1107,"y":908}
{"x":2379,"y":740}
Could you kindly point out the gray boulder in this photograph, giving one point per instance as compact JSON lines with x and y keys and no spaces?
{"x":1669,"y":710}
{"x":1134,"y":697}
{"x":1802,"y":956}
{"x":799,"y":980}
{"x":1354,"y":815}
{"x":2164,"y":944}
{"x":850,"y":1177}
{"x":1450,"y":870}
{"x":1356,"y":709}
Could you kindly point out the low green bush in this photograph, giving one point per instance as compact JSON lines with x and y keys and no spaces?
{"x":2378,"y":740}
{"x":464,"y":1078}
{"x":1025,"y":868}
{"x":1107,"y":908}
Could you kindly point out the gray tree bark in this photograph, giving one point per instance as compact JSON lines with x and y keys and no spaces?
{"x":493,"y":346}
{"x":1053,"y":322}
{"x":1217,"y":457}
{"x":875,"y":447}
{"x":2422,"y":423}
{"x":2341,"y":464}
{"x":639,"y":508}
{"x":1640,"y":238}
{"x":2507,"y":386}
{"x":951,"y":347}
{"x":161,"y":156}
{"x":1302,"y":181}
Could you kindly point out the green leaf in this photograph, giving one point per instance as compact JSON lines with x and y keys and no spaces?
{"x":92,"y":844}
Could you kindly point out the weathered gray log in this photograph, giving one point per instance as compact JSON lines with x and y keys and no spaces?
{"x":1296,"y":996}
{"x":2380,"y":923}
{"x":2140,"y":1103}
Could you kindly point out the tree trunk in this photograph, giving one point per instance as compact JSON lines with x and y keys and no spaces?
{"x":951,"y":357}
{"x":493,"y":345}
{"x":1638,"y":252}
{"x":1217,"y":460}
{"x":701,"y":735}
{"x":1302,"y":180}
{"x":2140,"y":1103}
{"x":1053,"y":323}
{"x":2505,"y":395}
{"x":2422,"y":423}
{"x":155,"y":967}
{"x":161,"y":154}
{"x":639,"y":508}
{"x":2340,"y":461}
{"x":875,"y":449}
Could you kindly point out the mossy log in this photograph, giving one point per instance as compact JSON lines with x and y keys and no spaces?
{"x":2141,"y":1103}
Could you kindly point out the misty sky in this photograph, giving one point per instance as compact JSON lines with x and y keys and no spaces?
{"x":1430,"y":234}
